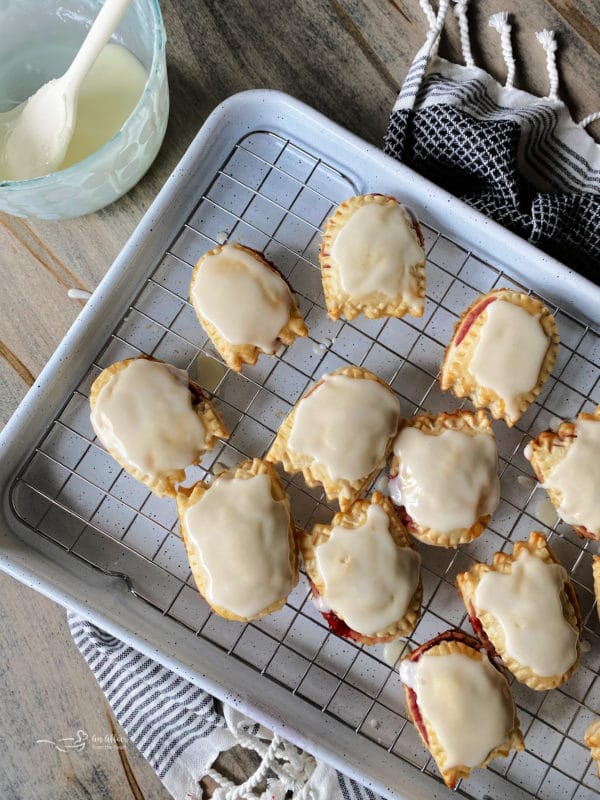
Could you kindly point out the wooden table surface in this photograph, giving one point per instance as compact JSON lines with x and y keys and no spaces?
{"x":345,"y":57}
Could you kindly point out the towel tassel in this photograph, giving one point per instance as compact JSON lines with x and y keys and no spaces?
{"x":548,"y":41}
{"x":460,"y":9}
{"x":500,"y":23}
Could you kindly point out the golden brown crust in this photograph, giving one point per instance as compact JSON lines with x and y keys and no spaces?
{"x":314,"y":473}
{"x":354,"y":518}
{"x":596,"y":573}
{"x":493,"y":635}
{"x":469,"y":422}
{"x":592,"y":740}
{"x":455,"y":373}
{"x":545,"y":453}
{"x":189,"y":496}
{"x":377,"y":304}
{"x":236,"y":355}
{"x":212,"y":421}
{"x":449,"y":643}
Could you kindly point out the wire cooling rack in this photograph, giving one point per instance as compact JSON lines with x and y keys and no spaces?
{"x":274,"y":196}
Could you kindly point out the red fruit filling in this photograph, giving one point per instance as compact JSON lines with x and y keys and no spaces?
{"x":470,"y":319}
{"x":336,"y":624}
{"x":480,"y":632}
{"x":407,"y":520}
{"x":413,"y":708}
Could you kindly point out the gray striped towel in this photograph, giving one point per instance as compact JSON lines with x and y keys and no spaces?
{"x":517,"y":158}
{"x":179,"y":730}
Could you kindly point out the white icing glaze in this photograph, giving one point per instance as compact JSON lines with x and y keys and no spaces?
{"x":345,"y":424}
{"x":376,"y":251}
{"x":240,"y":535}
{"x":246,"y":301}
{"x":545,"y":512}
{"x":526,"y":603}
{"x":466,"y":701}
{"x":510,"y":353}
{"x":369,"y":580}
{"x":392,"y":652}
{"x":446,"y":482}
{"x":577,"y":477}
{"x":144,"y":414}
{"x":78,"y":294}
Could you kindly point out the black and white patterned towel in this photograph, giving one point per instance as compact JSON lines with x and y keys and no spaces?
{"x":517,"y":158}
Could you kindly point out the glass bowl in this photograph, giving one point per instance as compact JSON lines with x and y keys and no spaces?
{"x":30,"y":55}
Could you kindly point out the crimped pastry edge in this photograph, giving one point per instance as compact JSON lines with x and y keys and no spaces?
{"x":470,"y":422}
{"x":189,"y":496}
{"x":236,"y":355}
{"x":467,"y":583}
{"x":547,"y":450}
{"x":211,"y":419}
{"x":455,"y":374}
{"x":315,"y":474}
{"x":592,"y":740}
{"x":353,"y":518}
{"x":457,"y":641}
{"x":339,"y":302}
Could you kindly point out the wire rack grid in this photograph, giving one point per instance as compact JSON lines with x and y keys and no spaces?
{"x":272,"y":195}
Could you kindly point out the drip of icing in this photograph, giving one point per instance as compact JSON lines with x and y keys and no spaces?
{"x":526,"y":603}
{"x":240,"y":535}
{"x":392,"y":652}
{"x":369,"y":580}
{"x":545,"y":512}
{"x":526,"y":482}
{"x":446,"y":482}
{"x":345,"y":424}
{"x":382,"y":485}
{"x":209,"y":372}
{"x":78,"y":294}
{"x":509,"y":354}
{"x":144,"y":414}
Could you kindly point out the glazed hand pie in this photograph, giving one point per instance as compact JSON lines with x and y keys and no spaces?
{"x":503,"y":349}
{"x":339,"y":434}
{"x":240,"y":539}
{"x":444,"y":476}
{"x":153,"y":420}
{"x":592,"y":740}
{"x":365,"y":577}
{"x":567,"y":464}
{"x":244,"y":304}
{"x":372,"y":259}
{"x":524,"y":608}
{"x":460,"y":703}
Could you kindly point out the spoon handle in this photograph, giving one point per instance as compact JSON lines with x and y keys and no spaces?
{"x":98,"y":35}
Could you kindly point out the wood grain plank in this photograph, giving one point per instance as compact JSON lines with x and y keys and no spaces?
{"x":47,"y":692}
{"x":17,"y":365}
{"x":29,"y":240}
{"x":12,"y":391}
{"x":35,"y":312}
{"x":585,"y":26}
